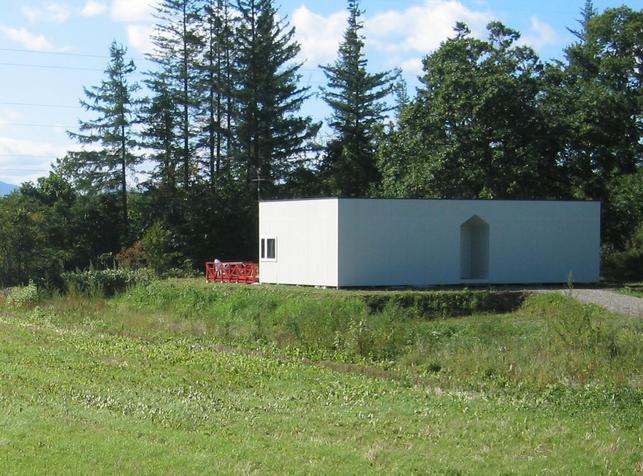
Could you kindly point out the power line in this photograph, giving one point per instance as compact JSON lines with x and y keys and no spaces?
{"x":42,"y":66}
{"x":64,"y":53}
{"x":16,"y":124}
{"x":56,"y":106}
{"x":32,"y":156}
{"x":23,"y":170}
{"x":58,"y":53}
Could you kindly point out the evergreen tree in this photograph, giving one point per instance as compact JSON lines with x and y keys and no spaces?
{"x":587,"y":13}
{"x":356,"y":98}
{"x":217,"y":86}
{"x":177,"y":49}
{"x":112,"y":131}
{"x":597,"y":97}
{"x":270,"y":134}
{"x":159,"y":132}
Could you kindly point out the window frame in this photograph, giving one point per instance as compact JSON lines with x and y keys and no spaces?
{"x":265,"y":247}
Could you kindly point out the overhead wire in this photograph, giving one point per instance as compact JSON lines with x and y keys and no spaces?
{"x":26,"y":104}
{"x":28,"y":124}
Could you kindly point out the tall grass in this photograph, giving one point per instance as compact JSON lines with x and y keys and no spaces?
{"x":550,"y":340}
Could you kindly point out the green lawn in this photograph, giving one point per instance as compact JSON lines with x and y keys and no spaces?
{"x":92,"y":386}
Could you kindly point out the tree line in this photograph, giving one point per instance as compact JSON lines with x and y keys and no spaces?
{"x":171,"y":167}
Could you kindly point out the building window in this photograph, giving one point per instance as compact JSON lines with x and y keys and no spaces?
{"x":269,"y":249}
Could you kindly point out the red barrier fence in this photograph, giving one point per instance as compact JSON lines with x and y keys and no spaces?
{"x":235,"y":272}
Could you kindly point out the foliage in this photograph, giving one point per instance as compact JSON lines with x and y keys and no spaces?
{"x":627,"y":264}
{"x":159,"y":248}
{"x":270,"y":133}
{"x":636,"y":291}
{"x":106,"y":282}
{"x":22,"y":297}
{"x":217,"y":88}
{"x":117,"y":108}
{"x":356,"y":99}
{"x":623,"y":210}
{"x":491,"y":120}
{"x":48,"y":228}
{"x":549,"y":340}
{"x":77,"y":397}
{"x":474,"y":130}
{"x":177,"y":47}
{"x":131,"y":257}
{"x":601,"y":94}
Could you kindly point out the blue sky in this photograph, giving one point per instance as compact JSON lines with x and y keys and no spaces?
{"x":50,"y":49}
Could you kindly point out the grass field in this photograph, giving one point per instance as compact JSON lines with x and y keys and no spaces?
{"x":184,"y":378}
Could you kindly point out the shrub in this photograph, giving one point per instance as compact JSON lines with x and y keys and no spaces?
{"x":131,"y":257}
{"x":626,"y":265}
{"x":23,"y":296}
{"x":105,"y":282}
{"x":439,"y":304}
{"x":160,"y":248}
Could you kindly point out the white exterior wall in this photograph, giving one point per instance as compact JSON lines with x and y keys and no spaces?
{"x":306,"y":233}
{"x":417,"y":242}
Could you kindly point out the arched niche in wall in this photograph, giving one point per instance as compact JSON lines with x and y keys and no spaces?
{"x":474,"y":249}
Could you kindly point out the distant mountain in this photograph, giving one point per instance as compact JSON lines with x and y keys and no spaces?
{"x":6,"y":188}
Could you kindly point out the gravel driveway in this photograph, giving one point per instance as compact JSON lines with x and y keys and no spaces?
{"x":613,"y":301}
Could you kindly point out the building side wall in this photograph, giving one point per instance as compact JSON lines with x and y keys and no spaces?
{"x":306,"y":233}
{"x":418,"y":242}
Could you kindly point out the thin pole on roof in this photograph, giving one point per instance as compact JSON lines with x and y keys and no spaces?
{"x":258,"y":180}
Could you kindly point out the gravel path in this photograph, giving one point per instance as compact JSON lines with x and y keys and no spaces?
{"x":613,"y":301}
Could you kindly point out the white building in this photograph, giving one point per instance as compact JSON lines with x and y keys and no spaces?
{"x":371,"y":242}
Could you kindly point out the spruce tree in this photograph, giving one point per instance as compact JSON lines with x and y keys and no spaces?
{"x":177,"y":49}
{"x":112,"y":131}
{"x":270,"y":134}
{"x":587,"y":13}
{"x":216,"y":85}
{"x":356,"y":98}
{"x":159,"y":132}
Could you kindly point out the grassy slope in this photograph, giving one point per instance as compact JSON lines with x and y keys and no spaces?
{"x":105,"y":387}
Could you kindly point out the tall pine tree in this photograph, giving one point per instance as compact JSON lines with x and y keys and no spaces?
{"x":217,"y":87}
{"x":269,"y":131}
{"x":587,"y":13}
{"x":356,"y":98}
{"x":160,"y":132}
{"x":112,"y":131}
{"x":177,"y":49}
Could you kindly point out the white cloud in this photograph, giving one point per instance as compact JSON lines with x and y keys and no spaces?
{"x":130,"y":11}
{"x":412,"y":66}
{"x":423,"y":27}
{"x":415,"y":30}
{"x":140,"y":37}
{"x":318,"y":35}
{"x":23,"y":160}
{"x":52,"y":12}
{"x":540,"y":35}
{"x":26,"y":39}
{"x":93,"y":8}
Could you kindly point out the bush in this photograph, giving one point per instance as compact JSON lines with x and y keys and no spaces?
{"x":160,"y":249}
{"x":131,"y":257}
{"x":626,"y":265}
{"x":23,"y":296}
{"x":105,"y":282}
{"x":439,"y":304}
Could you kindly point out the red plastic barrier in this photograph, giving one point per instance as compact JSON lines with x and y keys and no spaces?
{"x":234,"y":272}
